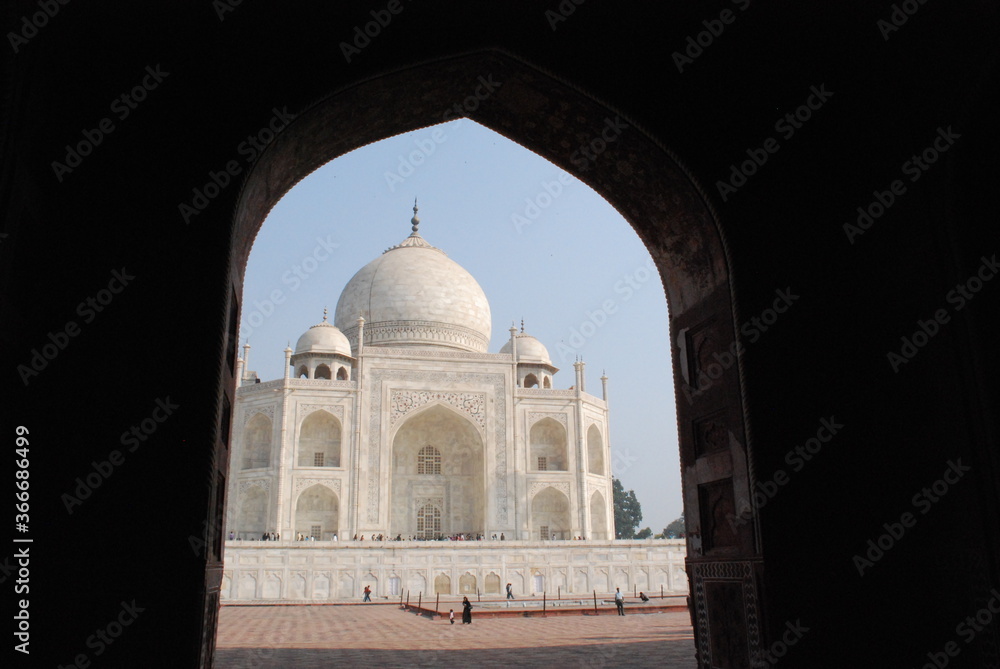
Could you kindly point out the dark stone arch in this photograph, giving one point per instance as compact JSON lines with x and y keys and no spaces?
{"x":636,"y":174}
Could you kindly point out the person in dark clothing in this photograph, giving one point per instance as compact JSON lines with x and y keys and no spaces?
{"x":620,"y":601}
{"x":466,"y":611}
{"x":510,"y":591}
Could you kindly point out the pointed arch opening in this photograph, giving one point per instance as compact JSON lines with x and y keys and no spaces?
{"x":319,"y":440}
{"x":595,"y":451}
{"x":257,"y":442}
{"x":679,"y":230}
{"x":547,"y":451}
{"x":599,"y":517}
{"x":251,"y":521}
{"x":317,"y":513}
{"x":550,"y":515}
{"x":437,"y":462}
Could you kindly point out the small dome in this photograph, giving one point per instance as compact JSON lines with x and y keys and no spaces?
{"x":529,"y":349}
{"x":323,"y":338}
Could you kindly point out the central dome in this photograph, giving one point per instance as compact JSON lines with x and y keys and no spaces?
{"x":415,"y":295}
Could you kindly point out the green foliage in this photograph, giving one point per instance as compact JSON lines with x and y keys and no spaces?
{"x":628,"y":512}
{"x":644,"y":533}
{"x":675,"y":530}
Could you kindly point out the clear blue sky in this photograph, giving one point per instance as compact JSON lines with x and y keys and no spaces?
{"x":543,"y":246}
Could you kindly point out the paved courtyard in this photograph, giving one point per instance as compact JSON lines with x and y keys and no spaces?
{"x":382,"y":635}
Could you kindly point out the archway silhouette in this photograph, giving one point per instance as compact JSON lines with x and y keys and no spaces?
{"x":665,"y":207}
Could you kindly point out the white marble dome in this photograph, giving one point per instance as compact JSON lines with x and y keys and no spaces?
{"x":529,"y":349}
{"x":415,"y":295}
{"x":323,"y":338}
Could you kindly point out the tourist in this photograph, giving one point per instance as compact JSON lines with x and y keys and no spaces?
{"x":466,"y":611}
{"x":451,"y":616}
{"x":368,"y":594}
{"x":620,"y":601}
{"x":510,"y":591}
{"x":501,"y":536}
{"x":643,"y":597}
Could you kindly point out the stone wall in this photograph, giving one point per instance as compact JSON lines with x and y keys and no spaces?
{"x":327,"y":570}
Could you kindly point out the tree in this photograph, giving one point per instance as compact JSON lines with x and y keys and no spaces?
{"x":675,"y":530}
{"x":644,"y":533}
{"x":628,"y":512}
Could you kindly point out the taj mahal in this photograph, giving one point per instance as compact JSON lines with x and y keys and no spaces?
{"x":395,"y":429}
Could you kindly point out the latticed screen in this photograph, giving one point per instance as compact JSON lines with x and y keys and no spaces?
{"x":429,"y":460}
{"x":543,"y":532}
{"x":428,"y":522}
{"x":543,"y":463}
{"x":318,"y":459}
{"x":315,"y":531}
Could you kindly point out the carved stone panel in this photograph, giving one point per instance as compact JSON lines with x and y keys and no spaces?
{"x":534,"y":416}
{"x":725,"y":597}
{"x":253,"y":411}
{"x":717,"y":505}
{"x":711,"y":434}
{"x":705,"y":348}
{"x":302,"y":484}
{"x":264,"y":484}
{"x":726,"y":611}
{"x":537,"y":486}
{"x":403,"y":402}
{"x":334,"y":409}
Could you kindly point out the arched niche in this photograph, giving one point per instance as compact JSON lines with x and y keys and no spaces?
{"x":257,"y":442}
{"x":547,"y":450}
{"x":319,"y":440}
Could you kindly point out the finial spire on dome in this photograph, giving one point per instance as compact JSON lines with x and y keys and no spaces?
{"x":522,"y":326}
{"x":325,"y":312}
{"x":415,"y":220}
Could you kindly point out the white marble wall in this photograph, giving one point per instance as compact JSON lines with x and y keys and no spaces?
{"x":321,"y":571}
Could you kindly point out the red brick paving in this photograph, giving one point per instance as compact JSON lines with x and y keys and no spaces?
{"x":382,"y":635}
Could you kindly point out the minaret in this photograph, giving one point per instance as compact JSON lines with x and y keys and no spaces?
{"x":246,"y":359}
{"x":288,"y":360}
{"x":578,"y":366}
{"x":513,"y":352}
{"x":604,"y":385}
{"x":239,"y":372}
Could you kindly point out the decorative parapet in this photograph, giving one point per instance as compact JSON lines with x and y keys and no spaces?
{"x":545,"y":392}
{"x":280,"y":384}
{"x":552,"y":392}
